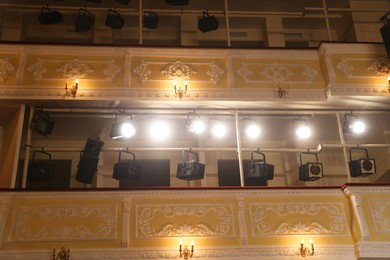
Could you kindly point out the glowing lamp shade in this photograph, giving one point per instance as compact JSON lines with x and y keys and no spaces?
{"x":159,"y":130}
{"x":122,"y":130}
{"x":303,"y":132}
{"x":218,"y":129}
{"x":252,"y":131}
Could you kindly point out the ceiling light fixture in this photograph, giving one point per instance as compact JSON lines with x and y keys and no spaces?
{"x":159,"y":130}
{"x":123,"y":129}
{"x":114,"y":20}
{"x":301,"y":129}
{"x":218,"y":129}
{"x":251,"y":128}
{"x":352,"y":124}
{"x":195,"y":125}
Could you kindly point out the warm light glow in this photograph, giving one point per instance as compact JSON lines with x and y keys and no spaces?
{"x":311,"y":241}
{"x":127,"y":130}
{"x":252,"y":131}
{"x":76,"y":81}
{"x":302,"y":241}
{"x":181,"y":242}
{"x":218,"y":130}
{"x":197,"y":126}
{"x":159,"y":130}
{"x":358,"y":127}
{"x":303,"y":132}
{"x":192,"y":242}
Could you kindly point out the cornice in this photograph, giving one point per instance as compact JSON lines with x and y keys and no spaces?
{"x":372,"y":250}
{"x":350,"y":190}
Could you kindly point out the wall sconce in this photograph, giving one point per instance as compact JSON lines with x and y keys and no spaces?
{"x":62,"y":255}
{"x":179,"y":91}
{"x":282,"y":92}
{"x":388,"y":84}
{"x":304,"y":250}
{"x":185,"y":252}
{"x":72,"y":91}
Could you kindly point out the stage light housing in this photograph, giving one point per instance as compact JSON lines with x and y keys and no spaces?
{"x":208,"y":23}
{"x":122,"y":129}
{"x":195,"y":125}
{"x":40,"y":170}
{"x":84,"y":21}
{"x":114,"y":20}
{"x":353,"y":125}
{"x":49,"y":16}
{"x":361,"y":167}
{"x":126,"y":170}
{"x":177,"y":2}
{"x":310,"y":171}
{"x":259,"y":169}
{"x":41,"y":123}
{"x":150,"y":20}
{"x":190,"y":170}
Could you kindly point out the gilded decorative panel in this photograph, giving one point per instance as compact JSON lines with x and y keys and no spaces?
{"x":275,"y":219}
{"x":185,"y":220}
{"x":8,"y":67}
{"x":64,"y":223}
{"x":380,"y":214}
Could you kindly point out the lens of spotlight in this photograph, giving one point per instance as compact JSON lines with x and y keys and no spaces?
{"x":218,"y":130}
{"x":127,"y":130}
{"x":358,"y":127}
{"x":159,"y":130}
{"x":198,"y":126}
{"x":252,"y":131}
{"x":303,"y":132}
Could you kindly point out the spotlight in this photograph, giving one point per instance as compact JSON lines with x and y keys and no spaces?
{"x":123,"y":129}
{"x":126,"y":170}
{"x":114,"y":20}
{"x":207,"y":23}
{"x":310,"y":171}
{"x":41,"y":123}
{"x":40,"y":170}
{"x":363,"y":166}
{"x":190,"y":170}
{"x":177,"y":2}
{"x":352,"y":124}
{"x":150,"y":20}
{"x":84,"y":21}
{"x":259,"y":170}
{"x":49,"y":16}
{"x":159,"y":130}
{"x":218,"y":129}
{"x":195,"y":126}
{"x":301,"y":129}
{"x":124,"y":2}
{"x":251,"y":128}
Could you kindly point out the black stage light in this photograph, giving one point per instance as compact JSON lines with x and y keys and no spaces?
{"x":124,"y":2}
{"x":190,"y":170}
{"x":385,"y":32}
{"x":177,"y":2}
{"x":207,"y":23}
{"x":40,"y":170}
{"x":114,"y":20}
{"x":259,"y":170}
{"x":126,"y":170}
{"x":41,"y":123}
{"x":310,"y":171}
{"x":93,"y":147}
{"x":49,"y":16}
{"x":84,"y":21}
{"x":150,"y":20}
{"x":361,"y":167}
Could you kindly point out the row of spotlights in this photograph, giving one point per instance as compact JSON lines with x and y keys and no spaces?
{"x":160,"y":130}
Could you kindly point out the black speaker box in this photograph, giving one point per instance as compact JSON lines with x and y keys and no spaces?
{"x":190,"y":170}
{"x":259,"y":170}
{"x":86,"y":169}
{"x":310,"y":171}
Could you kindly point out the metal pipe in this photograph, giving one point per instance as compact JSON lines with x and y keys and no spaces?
{"x":239,"y":150}
{"x":327,"y":20}
{"x":27,"y":150}
{"x":140,"y":22}
{"x":227,"y":24}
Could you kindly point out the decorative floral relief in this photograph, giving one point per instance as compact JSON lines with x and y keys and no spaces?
{"x":309,"y":73}
{"x":75,"y":69}
{"x":380,"y":67}
{"x":380,"y":213}
{"x":277,"y":73}
{"x":345,"y":68}
{"x":54,"y":221}
{"x":143,"y":71}
{"x":5,"y":68}
{"x":262,"y":213}
{"x":147,"y":229}
{"x":245,"y":72}
{"x":178,"y":70}
{"x":37,"y":69}
{"x":111,"y":71}
{"x":215,"y":72}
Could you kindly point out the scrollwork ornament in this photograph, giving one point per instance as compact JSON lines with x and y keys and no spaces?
{"x":380,"y":67}
{"x":345,"y":68}
{"x":277,"y":73}
{"x":75,"y":69}
{"x":143,"y":71}
{"x":5,"y":68}
{"x":111,"y":71}
{"x":215,"y":73}
{"x":37,"y":69}
{"x":178,"y":70}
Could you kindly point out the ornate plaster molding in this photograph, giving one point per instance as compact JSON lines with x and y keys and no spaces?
{"x":111,"y":71}
{"x":178,"y":70}
{"x":380,"y":213}
{"x":6,"y":68}
{"x":215,"y":73}
{"x":345,"y":68}
{"x":353,"y":90}
{"x":143,"y":71}
{"x":37,"y":69}
{"x":380,"y":67}
{"x":75,"y":69}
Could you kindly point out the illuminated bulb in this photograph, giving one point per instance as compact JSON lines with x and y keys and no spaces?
{"x":159,"y":130}
{"x":303,"y":132}
{"x":252,"y":131}
{"x":127,"y":130}
{"x":358,"y":127}
{"x":198,"y":126}
{"x":218,"y":130}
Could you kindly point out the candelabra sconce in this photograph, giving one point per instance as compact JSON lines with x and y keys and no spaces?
{"x":72,"y":91}
{"x":306,"y":251}
{"x":388,"y":84}
{"x":62,"y":255}
{"x":180,"y":91}
{"x":186,"y":252}
{"x":282,"y":92}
